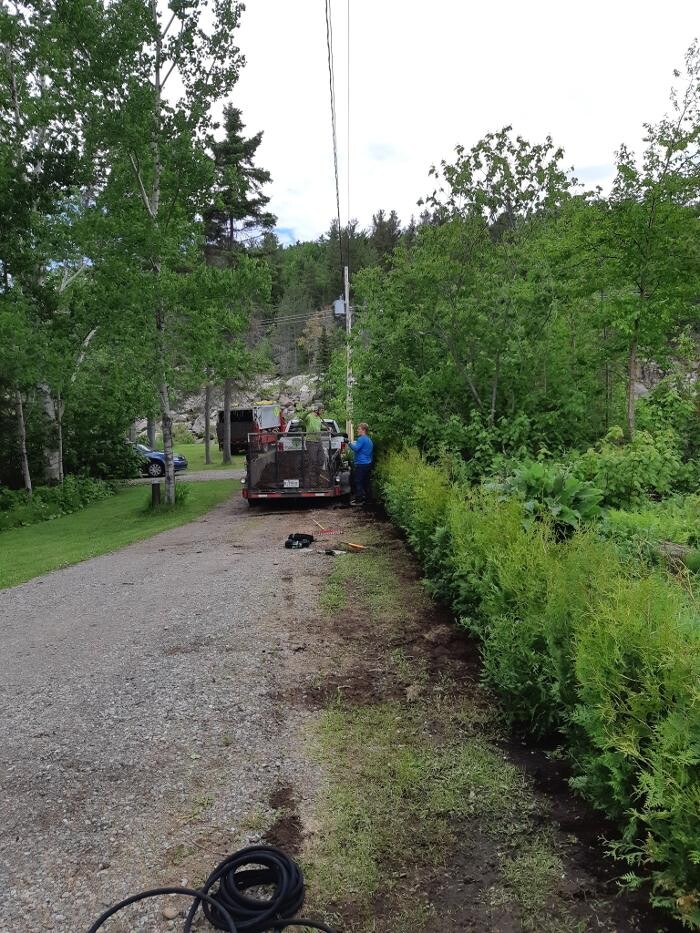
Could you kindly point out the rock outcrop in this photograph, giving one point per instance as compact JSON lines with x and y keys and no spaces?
{"x":295,"y":390}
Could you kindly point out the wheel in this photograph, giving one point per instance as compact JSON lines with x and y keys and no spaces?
{"x":155,"y":468}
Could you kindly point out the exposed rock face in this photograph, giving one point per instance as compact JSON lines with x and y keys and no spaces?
{"x":296,"y":390}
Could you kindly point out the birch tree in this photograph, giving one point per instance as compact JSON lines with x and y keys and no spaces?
{"x":155,"y":124}
{"x":50,"y":58}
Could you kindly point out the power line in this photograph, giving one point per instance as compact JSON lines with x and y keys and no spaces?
{"x":331,"y":80}
{"x":305,"y":316}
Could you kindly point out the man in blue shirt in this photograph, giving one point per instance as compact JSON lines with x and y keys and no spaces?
{"x":363,"y":448}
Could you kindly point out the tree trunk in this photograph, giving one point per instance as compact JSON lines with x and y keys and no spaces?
{"x":151,"y":431}
{"x":167,"y":424}
{"x":631,"y":379}
{"x":228,"y":385}
{"x":207,"y":423}
{"x":607,"y":381}
{"x":22,"y":436}
{"x":132,"y":432}
{"x":52,"y":454}
{"x":59,"y":428}
{"x":494,"y":390}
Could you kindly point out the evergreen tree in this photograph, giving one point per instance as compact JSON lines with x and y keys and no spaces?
{"x":238,"y":215}
{"x":385,"y":235}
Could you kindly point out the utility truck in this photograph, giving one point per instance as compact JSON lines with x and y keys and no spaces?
{"x":297,"y":464}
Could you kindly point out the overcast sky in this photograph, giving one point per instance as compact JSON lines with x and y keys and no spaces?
{"x":427,"y":75}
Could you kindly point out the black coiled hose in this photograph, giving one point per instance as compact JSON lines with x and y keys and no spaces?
{"x":228,"y":907}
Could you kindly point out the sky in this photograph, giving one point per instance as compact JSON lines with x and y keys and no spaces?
{"x":425,"y":76}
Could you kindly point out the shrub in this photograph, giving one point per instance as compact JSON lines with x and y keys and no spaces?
{"x":550,"y":491}
{"x":673,"y":404}
{"x":182,"y":434}
{"x":629,"y":473}
{"x":415,"y":497}
{"x":574,"y":642}
{"x":637,"y":741}
{"x":49,"y":502}
{"x":638,"y":533}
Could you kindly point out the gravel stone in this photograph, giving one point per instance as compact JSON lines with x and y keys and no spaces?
{"x":141,"y":731}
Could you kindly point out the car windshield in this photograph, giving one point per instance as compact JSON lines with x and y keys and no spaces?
{"x":142,"y":449}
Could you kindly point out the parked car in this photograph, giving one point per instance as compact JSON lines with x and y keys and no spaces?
{"x":154,"y":461}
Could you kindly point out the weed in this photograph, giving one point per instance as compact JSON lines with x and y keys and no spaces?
{"x":256,"y":820}
{"x":533,"y":875}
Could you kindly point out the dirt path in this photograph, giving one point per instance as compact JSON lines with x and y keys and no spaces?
{"x":160,"y":707}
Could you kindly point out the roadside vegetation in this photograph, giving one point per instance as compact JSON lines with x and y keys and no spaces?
{"x":423,"y":822}
{"x":526,"y":353}
{"x":49,"y":502}
{"x":580,"y":644}
{"x":100,"y":528}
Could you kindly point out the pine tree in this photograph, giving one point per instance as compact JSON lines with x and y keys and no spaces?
{"x":238,"y":215}
{"x":385,"y":235}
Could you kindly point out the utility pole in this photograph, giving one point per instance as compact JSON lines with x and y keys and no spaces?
{"x":348,"y":377}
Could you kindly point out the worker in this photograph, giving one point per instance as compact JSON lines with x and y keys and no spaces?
{"x":363,"y":449}
{"x":317,"y":447}
{"x":314,"y":422}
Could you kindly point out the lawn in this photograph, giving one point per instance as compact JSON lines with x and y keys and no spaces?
{"x":97,"y":529}
{"x":195,"y":458}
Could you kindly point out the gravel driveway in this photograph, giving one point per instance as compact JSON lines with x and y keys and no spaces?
{"x":140,"y":739}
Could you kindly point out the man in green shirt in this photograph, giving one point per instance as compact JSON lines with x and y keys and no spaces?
{"x":314,"y":423}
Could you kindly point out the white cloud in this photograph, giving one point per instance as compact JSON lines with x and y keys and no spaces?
{"x":424,"y":77}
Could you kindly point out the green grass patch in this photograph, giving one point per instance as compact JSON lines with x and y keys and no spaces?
{"x":98,"y":529}
{"x":195,"y":458}
{"x":403,"y":784}
{"x":366,"y":577}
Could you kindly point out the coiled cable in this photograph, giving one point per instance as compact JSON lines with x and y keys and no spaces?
{"x":228,"y":907}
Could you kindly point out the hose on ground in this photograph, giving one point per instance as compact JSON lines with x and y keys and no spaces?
{"x":224,"y":900}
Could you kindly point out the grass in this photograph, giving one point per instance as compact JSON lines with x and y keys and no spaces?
{"x":98,"y":529}
{"x":195,"y":458}
{"x":368,"y":576}
{"x":406,"y":781}
{"x":395,"y":788}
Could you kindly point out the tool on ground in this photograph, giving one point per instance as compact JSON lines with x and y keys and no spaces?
{"x":223,"y":897}
{"x":299,"y":539}
{"x":351,"y":545}
{"x":326,"y":531}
